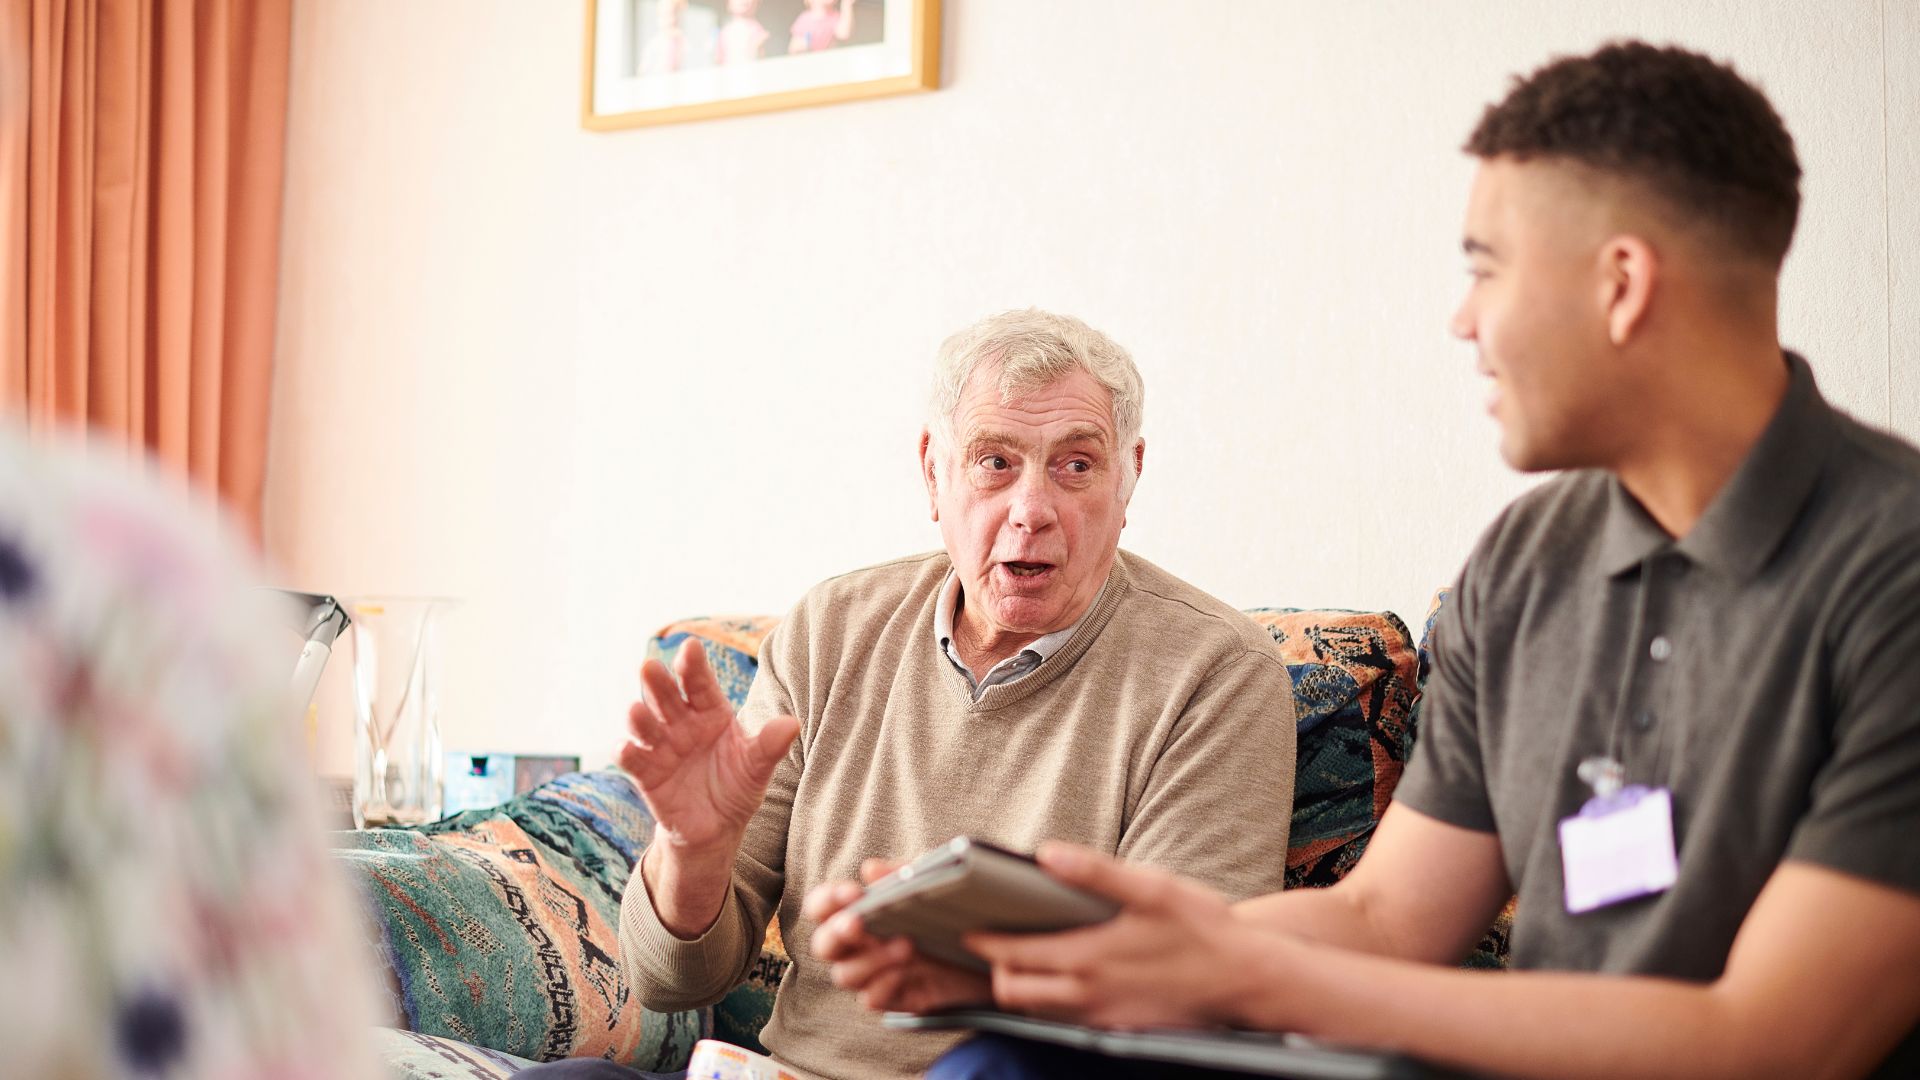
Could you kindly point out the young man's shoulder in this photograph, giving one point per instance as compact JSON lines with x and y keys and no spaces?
{"x":1884,"y":470}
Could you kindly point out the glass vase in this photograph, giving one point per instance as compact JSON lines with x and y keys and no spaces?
{"x":397,"y":766}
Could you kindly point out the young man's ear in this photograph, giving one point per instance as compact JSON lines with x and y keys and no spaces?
{"x":1629,"y":270}
{"x":926,"y":473}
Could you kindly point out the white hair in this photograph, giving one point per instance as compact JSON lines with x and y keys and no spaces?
{"x":1029,"y":350}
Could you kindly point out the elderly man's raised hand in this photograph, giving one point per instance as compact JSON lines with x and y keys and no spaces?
{"x":700,"y":770}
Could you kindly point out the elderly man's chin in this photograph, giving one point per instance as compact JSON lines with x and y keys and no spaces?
{"x":1033,"y":603}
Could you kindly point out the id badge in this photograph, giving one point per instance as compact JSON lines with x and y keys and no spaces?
{"x":1618,"y":847}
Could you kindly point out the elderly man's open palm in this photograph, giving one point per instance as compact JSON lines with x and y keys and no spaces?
{"x":701,"y":771}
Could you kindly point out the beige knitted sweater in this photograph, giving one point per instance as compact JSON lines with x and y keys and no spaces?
{"x":1162,"y":731}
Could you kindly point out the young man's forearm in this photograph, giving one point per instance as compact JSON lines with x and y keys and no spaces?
{"x":1527,"y":1024}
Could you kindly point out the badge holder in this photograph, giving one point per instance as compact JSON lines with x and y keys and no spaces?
{"x":1620,"y":845}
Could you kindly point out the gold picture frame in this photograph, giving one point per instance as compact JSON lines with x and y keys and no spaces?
{"x":666,"y":61}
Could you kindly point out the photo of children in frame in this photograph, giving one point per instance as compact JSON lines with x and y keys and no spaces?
{"x":681,"y":35}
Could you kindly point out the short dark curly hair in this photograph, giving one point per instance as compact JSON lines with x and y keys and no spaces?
{"x":1690,"y":129}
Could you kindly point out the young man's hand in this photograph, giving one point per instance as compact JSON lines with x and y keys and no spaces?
{"x":1163,"y":961}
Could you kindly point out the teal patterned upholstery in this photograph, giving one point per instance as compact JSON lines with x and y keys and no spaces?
{"x":500,"y":926}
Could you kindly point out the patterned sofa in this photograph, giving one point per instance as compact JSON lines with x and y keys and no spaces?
{"x":499,"y":926}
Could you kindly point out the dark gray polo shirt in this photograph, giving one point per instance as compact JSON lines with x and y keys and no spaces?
{"x":1765,"y":667}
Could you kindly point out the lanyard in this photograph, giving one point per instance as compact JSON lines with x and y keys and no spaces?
{"x":1605,"y":772}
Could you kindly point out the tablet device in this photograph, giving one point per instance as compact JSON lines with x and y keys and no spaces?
{"x":1260,"y":1053}
{"x":967,"y":885}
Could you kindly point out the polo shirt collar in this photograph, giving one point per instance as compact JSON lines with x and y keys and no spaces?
{"x":1629,"y":536}
{"x":1751,"y":515}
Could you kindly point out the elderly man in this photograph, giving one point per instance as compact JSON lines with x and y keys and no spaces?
{"x":1031,"y":681}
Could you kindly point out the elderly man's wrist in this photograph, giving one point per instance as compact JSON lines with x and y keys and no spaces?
{"x":687,"y":886}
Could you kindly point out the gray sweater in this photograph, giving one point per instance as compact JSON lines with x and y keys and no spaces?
{"x":1162,"y":731}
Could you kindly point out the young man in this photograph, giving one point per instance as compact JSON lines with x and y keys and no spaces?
{"x":1675,"y":702}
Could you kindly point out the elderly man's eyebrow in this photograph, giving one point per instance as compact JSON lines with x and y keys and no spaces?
{"x":1082,"y":433}
{"x":1477,"y":247}
{"x":979,"y":437}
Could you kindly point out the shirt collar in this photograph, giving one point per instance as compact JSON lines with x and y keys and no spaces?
{"x":949,"y":605}
{"x":1745,"y":523}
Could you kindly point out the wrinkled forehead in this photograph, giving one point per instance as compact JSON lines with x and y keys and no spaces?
{"x":1074,"y":407}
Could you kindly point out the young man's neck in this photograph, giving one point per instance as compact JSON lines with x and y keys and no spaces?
{"x":1711,"y":410}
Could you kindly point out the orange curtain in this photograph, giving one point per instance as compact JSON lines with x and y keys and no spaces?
{"x":141,"y":154}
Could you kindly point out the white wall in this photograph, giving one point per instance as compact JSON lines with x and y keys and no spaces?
{"x":594,"y":382}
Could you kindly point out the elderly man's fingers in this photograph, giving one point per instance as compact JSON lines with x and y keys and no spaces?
{"x":840,"y":937}
{"x":885,"y":991}
{"x":1083,"y":867}
{"x":857,"y":971}
{"x":825,"y":900}
{"x":872,"y":870}
{"x":631,"y":758}
{"x":697,"y":680}
{"x":645,"y":726}
{"x":663,"y":694}
{"x":929,"y":985}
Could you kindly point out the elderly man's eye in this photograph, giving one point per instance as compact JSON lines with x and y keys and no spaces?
{"x":995,"y":462}
{"x":1079,"y":465}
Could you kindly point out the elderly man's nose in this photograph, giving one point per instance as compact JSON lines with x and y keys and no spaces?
{"x":1033,"y":503}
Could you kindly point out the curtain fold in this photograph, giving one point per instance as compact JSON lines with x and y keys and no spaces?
{"x":141,"y":159}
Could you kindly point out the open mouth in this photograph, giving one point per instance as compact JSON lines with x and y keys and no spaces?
{"x":1027,"y":569}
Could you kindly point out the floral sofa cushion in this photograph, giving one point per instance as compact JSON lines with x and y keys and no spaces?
{"x":1354,"y":687}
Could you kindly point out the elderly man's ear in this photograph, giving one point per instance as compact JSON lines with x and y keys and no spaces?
{"x":926,"y":472}
{"x":1139,"y":466}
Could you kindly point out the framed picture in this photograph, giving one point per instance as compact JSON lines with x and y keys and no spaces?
{"x":662,"y":61}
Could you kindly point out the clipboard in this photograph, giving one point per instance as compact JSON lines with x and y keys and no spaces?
{"x":1257,"y":1053}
